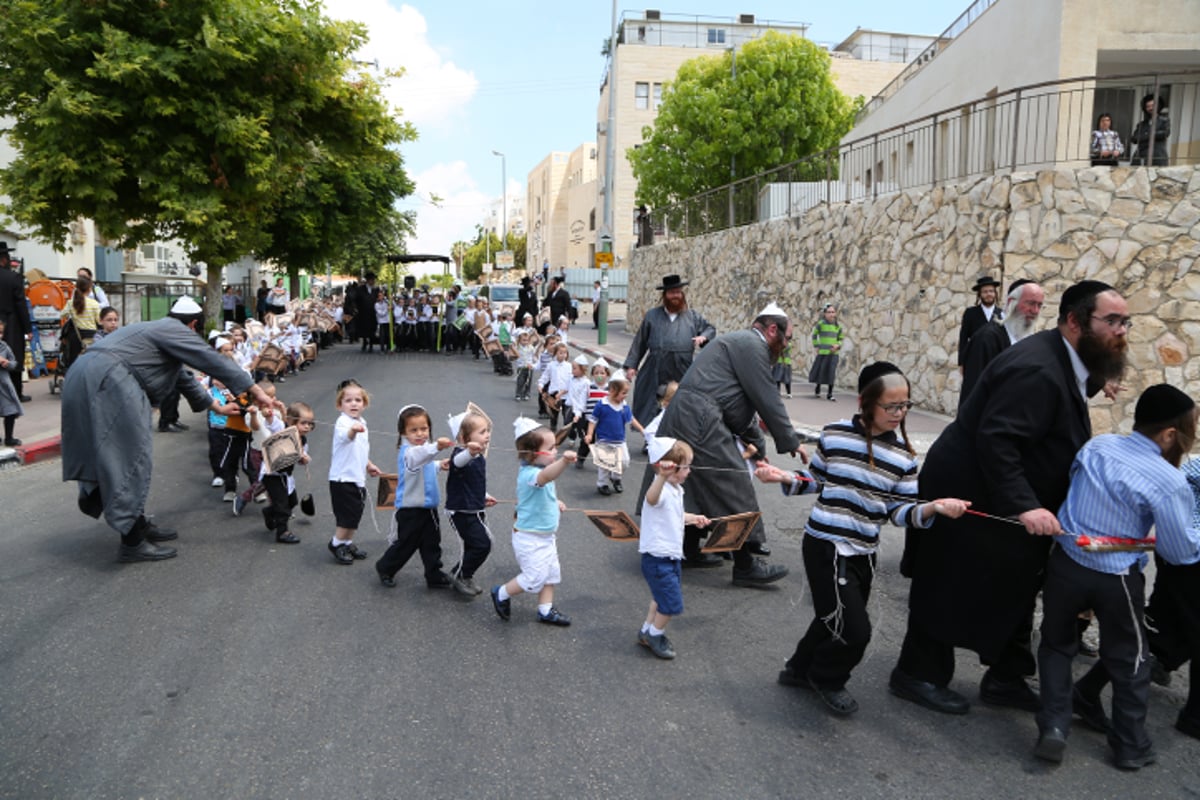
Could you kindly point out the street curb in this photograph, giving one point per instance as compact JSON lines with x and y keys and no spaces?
{"x":33,"y":452}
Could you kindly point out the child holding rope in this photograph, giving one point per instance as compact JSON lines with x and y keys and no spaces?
{"x":869,"y":476}
{"x":467,"y":497}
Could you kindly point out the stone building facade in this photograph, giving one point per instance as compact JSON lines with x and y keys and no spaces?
{"x":900,"y":269}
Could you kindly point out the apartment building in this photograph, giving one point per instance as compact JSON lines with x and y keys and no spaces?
{"x":561,"y":210}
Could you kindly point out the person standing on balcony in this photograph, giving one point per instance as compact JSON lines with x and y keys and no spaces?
{"x":1160,"y":124}
{"x":978,"y":315}
{"x":1106,"y":146}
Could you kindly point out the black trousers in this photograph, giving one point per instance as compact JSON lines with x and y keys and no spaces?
{"x":278,"y":511}
{"x":1173,"y":617}
{"x":841,"y":629}
{"x":419,"y":530}
{"x":168,"y":409}
{"x":928,"y":658}
{"x":1118,"y":601}
{"x":477,"y":543}
{"x":233,"y":455}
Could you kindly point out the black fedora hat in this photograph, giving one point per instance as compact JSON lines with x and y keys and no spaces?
{"x":671,"y":282}
{"x":985,"y":280}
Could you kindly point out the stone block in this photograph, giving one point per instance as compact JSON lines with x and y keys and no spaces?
{"x":1171,"y":351}
{"x":1136,"y":186}
{"x":1183,"y":215}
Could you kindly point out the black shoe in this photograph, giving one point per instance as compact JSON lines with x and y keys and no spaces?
{"x":923,"y":693}
{"x":618,"y":487}
{"x":1132,"y":763}
{"x":1159,"y":674}
{"x":287,"y":537}
{"x":703,"y":561}
{"x":356,"y":554}
{"x":341,"y":553}
{"x":144,"y":551}
{"x":503,"y":607}
{"x":1051,"y":745}
{"x":605,"y":490}
{"x":12,"y":442}
{"x":179,"y":426}
{"x":760,"y":573}
{"x":24,"y":398}
{"x":839,"y":701}
{"x":789,"y":678}
{"x":555,"y":617}
{"x":154,"y":533}
{"x":439,"y":581}
{"x":1089,"y":709}
{"x":1008,"y":693}
{"x":386,"y":580}
{"x":1187,"y":725}
{"x":758,"y":548}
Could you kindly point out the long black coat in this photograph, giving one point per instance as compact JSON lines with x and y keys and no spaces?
{"x":1009,"y":451}
{"x":559,"y":303}
{"x":364,"y":311}
{"x":527,"y":303}
{"x":972,"y":320}
{"x":988,"y":342}
{"x":14,"y":311}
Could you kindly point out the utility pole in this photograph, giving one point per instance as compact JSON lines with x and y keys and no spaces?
{"x":604,"y":238}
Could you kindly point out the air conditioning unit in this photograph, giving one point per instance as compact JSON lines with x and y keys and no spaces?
{"x":653,"y":13}
{"x":746,"y":19}
{"x":601,"y":128}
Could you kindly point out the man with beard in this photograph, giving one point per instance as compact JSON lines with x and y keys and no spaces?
{"x":558,"y":300}
{"x":978,"y":315}
{"x":1021,"y":308}
{"x":728,"y":383}
{"x":365,"y":325}
{"x":106,"y":439}
{"x":664,"y":345}
{"x":974,"y":579}
{"x":1122,"y":484}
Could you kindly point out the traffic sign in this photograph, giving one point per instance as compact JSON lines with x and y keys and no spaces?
{"x":604,"y":260}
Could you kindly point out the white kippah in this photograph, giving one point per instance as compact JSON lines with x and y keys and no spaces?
{"x":658,"y":446}
{"x":772,"y":310}
{"x":186,"y":305}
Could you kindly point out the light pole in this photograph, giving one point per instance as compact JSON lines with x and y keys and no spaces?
{"x":503,"y":199}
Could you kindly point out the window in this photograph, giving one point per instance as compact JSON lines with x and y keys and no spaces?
{"x":716,"y":36}
{"x":657,"y":95}
{"x":899,"y":48}
{"x":592,"y":220}
{"x":641,"y":95}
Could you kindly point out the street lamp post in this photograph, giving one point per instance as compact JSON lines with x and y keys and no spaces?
{"x":503,"y":199}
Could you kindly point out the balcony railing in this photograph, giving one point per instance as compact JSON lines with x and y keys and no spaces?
{"x":1033,"y":127}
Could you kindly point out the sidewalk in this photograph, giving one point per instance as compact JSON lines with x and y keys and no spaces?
{"x":39,"y":428}
{"x":809,"y":414}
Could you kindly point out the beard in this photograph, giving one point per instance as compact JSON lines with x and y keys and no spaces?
{"x":1019,"y":327}
{"x":1103,"y":361}
{"x":674,"y":305}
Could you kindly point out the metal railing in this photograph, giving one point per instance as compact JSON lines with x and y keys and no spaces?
{"x":1032,"y":127}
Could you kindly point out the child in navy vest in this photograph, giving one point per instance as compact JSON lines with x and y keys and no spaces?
{"x":467,"y":497}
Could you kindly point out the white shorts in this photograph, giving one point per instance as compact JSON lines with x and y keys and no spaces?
{"x":537,"y":556}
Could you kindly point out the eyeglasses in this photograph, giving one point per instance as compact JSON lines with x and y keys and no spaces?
{"x":897,"y":408}
{"x":1115,"y":321}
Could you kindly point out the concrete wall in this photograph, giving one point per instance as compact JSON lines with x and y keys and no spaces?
{"x":900,"y":269}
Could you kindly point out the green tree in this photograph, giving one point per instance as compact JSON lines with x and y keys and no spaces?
{"x":178,"y":120}
{"x":720,"y":121}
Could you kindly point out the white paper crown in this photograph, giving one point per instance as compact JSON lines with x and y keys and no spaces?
{"x":600,"y":362}
{"x":658,"y":446}
{"x":582,"y":360}
{"x":522,"y":426}
{"x":618,"y":377}
{"x":772,"y":310}
{"x":456,"y":423}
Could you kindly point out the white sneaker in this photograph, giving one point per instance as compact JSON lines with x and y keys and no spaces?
{"x":217,"y":483}
{"x":229,"y":497}
{"x":261,"y":497}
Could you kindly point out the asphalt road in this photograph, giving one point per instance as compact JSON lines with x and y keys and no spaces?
{"x":249,"y":669}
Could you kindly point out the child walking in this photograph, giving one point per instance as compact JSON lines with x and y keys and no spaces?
{"x":349,"y":463}
{"x":661,"y":540}
{"x":280,"y":485}
{"x":467,"y":497}
{"x":867,"y":471}
{"x":10,"y":399}
{"x":538,"y":509}
{"x":606,"y":427}
{"x":417,"y":524}
{"x":527,"y":356}
{"x":555,"y":382}
{"x":827,"y":338}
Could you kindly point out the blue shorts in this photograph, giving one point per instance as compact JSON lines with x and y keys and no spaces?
{"x":663,"y":577}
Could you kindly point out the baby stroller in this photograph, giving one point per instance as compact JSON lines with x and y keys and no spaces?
{"x":47,"y":299}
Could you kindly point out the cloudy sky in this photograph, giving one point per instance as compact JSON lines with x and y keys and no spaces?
{"x":523,"y":78}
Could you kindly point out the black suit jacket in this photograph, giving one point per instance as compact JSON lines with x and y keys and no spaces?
{"x":988,"y":342}
{"x":559,"y":303}
{"x":972,"y":320}
{"x":1009,"y":451}
{"x":14,"y":310}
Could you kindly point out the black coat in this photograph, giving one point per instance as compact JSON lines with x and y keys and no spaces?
{"x":527,"y":303}
{"x":559,"y":303}
{"x":972,"y":320}
{"x":1009,"y":451}
{"x":987,"y":343}
{"x":14,"y":311}
{"x":364,"y":311}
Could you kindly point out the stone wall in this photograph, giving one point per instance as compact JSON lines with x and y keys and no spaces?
{"x":900,"y":269}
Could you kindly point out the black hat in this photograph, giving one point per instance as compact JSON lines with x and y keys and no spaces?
{"x":526,"y":281}
{"x":671,"y":282}
{"x":4,"y":250}
{"x":985,"y":280}
{"x":1074,"y":295}
{"x":1161,"y":403}
{"x":871,"y":372}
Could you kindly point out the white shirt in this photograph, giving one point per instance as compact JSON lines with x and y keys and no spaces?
{"x":557,"y":377}
{"x":662,"y":525}
{"x":348,"y":461}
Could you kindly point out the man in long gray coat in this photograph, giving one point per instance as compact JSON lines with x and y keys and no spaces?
{"x":728,"y":383}
{"x":664,"y":346}
{"x":107,"y":443}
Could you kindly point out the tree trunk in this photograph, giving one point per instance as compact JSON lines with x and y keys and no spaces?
{"x":212,"y":299}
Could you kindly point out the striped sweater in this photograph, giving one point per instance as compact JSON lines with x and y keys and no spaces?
{"x":846,"y":509}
